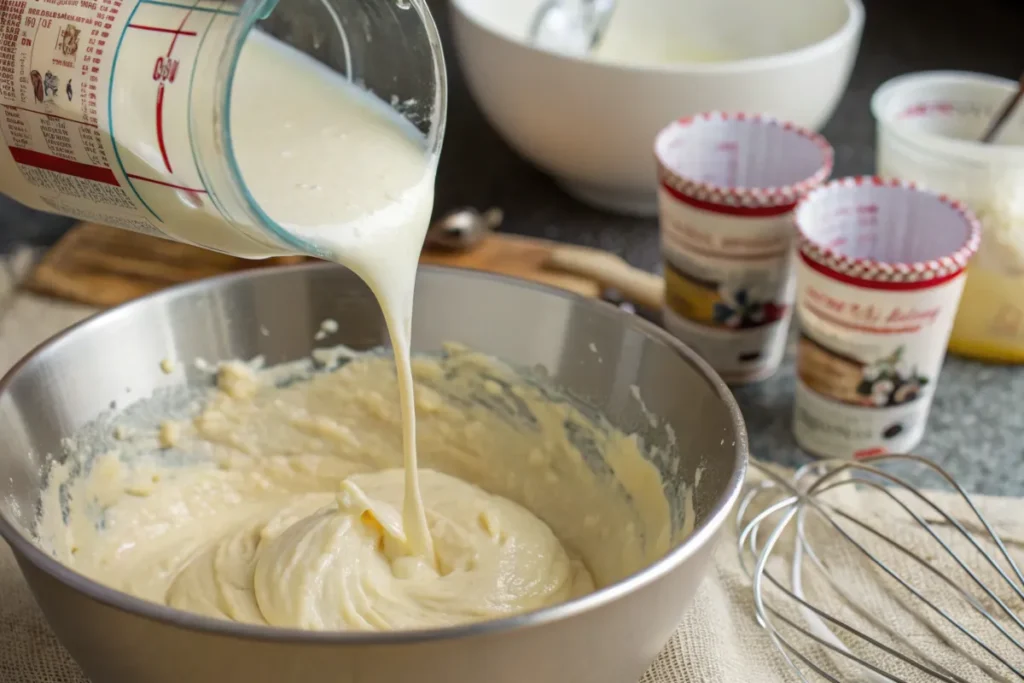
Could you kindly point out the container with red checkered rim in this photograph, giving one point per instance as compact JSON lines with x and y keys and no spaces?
{"x":879,"y":277}
{"x":728,"y":187}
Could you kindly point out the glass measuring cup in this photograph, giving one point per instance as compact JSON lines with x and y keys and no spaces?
{"x":121,"y":113}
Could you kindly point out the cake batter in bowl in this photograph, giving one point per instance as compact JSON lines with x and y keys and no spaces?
{"x":607,"y":452}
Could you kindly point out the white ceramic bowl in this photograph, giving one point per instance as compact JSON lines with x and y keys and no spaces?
{"x":591,"y":124}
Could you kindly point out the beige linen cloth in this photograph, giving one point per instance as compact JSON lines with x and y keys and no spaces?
{"x":718,"y":639}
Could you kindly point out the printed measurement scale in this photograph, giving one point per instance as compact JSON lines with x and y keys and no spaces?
{"x":96,"y":98}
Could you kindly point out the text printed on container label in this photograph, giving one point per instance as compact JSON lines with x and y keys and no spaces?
{"x":729,"y":285}
{"x":867,"y":363}
{"x":72,"y":145}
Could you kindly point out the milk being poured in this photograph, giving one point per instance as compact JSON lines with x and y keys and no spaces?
{"x":121,"y":125}
{"x":335,"y":165}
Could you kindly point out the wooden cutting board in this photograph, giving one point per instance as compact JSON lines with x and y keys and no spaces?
{"x":103,"y":267}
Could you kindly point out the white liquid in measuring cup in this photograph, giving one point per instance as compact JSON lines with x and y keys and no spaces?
{"x":337,"y":166}
{"x":324,"y":159}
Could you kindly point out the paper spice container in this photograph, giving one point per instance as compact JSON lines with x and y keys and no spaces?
{"x":728,"y":186}
{"x":879,"y":277}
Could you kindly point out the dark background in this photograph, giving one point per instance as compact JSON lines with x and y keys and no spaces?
{"x":478,"y":169}
{"x":976,"y":427}
{"x":900,"y":36}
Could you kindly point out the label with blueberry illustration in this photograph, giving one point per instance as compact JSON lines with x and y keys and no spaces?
{"x":879,"y":383}
{"x":728,"y":287}
{"x":868,"y":359}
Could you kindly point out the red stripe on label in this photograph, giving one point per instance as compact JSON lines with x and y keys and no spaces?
{"x":160,"y":127}
{"x":867,"y":329}
{"x":874,"y":284}
{"x":728,"y":209}
{"x":56,"y":164}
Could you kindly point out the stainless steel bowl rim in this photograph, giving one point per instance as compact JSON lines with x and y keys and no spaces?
{"x":702,"y":533}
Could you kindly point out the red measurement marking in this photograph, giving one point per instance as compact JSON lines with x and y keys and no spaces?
{"x":170,"y":185}
{"x":165,"y":71}
{"x":926,"y":108}
{"x":179,"y":31}
{"x":160,"y":127}
{"x":49,"y":162}
{"x":160,"y":29}
{"x":52,"y":116}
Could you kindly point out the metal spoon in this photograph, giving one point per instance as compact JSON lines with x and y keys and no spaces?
{"x":573,"y":27}
{"x":1004,"y":114}
{"x":463,"y":228}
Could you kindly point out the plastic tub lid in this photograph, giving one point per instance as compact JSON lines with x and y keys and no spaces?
{"x":948,"y":111}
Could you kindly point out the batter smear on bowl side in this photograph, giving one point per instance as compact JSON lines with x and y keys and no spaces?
{"x":280,"y":502}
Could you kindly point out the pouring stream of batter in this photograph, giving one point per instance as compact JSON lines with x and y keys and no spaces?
{"x":289,"y":505}
{"x":369,"y":213}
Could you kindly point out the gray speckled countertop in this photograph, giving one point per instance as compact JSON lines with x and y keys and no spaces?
{"x":975,"y":430}
{"x":977,"y":426}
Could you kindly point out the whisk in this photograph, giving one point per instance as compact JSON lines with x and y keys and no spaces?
{"x":951,"y":611}
{"x":573,"y":27}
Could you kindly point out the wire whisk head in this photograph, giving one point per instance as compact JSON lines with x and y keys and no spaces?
{"x":857,"y":574}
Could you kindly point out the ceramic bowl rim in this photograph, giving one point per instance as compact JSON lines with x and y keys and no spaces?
{"x":846,"y":33}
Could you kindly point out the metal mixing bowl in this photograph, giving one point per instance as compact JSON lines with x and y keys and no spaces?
{"x":610,"y":636}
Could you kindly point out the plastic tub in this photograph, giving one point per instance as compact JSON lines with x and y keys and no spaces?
{"x":928,"y":127}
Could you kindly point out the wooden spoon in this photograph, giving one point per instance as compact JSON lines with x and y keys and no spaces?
{"x":611,"y":272}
